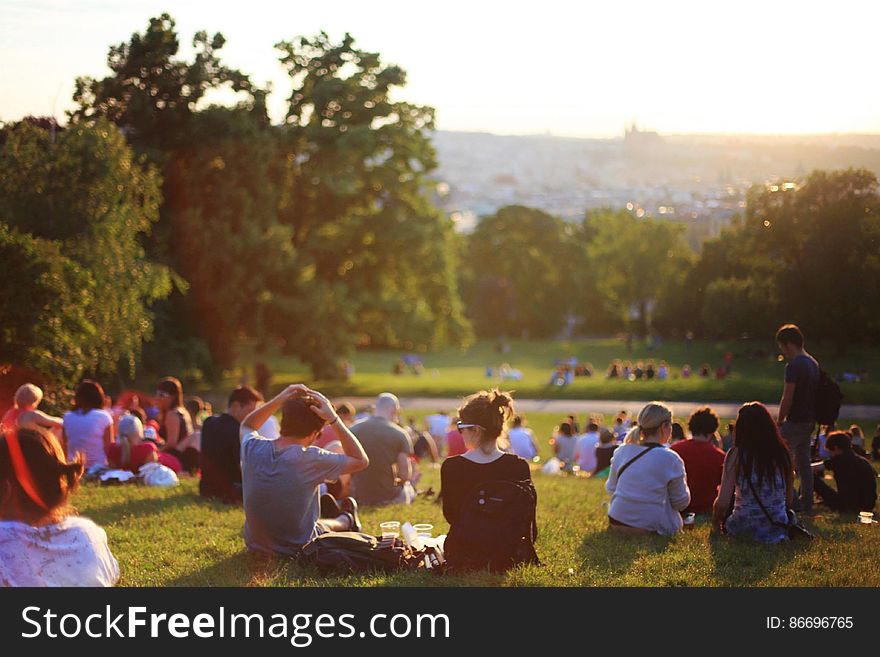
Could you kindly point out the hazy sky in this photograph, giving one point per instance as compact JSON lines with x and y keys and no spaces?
{"x":572,"y":67}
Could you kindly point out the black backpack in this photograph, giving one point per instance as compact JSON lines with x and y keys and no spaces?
{"x":496,"y":528}
{"x":828,"y":398}
{"x":344,"y":553}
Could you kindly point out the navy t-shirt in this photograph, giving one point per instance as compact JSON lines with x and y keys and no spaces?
{"x":803,"y":372}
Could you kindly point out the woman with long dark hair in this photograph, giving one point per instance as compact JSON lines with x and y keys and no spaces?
{"x":175,"y":423}
{"x":88,"y":428}
{"x":757,"y":480}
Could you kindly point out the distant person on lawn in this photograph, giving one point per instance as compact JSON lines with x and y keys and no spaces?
{"x":703,"y":462}
{"x":757,"y":471}
{"x":175,"y":424}
{"x":604,"y":452}
{"x":388,"y":480}
{"x":853,"y":474}
{"x":438,"y":425}
{"x":42,"y":542}
{"x":328,"y":440}
{"x":797,"y":417}
{"x":522,"y":440}
{"x":130,"y":451}
{"x":647,"y":481}
{"x":565,"y":444}
{"x":281,"y":478}
{"x":27,"y":399}
{"x":585,"y":448}
{"x":220,"y":457}
{"x":88,"y":428}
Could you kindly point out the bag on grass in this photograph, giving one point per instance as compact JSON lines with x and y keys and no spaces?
{"x":344,"y":553}
{"x":156,"y":474}
{"x":496,"y":528}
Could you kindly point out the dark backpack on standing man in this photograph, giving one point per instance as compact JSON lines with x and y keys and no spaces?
{"x":828,"y":398}
{"x":496,"y":528}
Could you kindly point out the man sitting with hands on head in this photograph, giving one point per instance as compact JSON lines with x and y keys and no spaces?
{"x":280,"y":478}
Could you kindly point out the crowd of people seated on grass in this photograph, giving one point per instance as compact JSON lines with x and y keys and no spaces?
{"x":307,"y":475}
{"x":650,"y":370}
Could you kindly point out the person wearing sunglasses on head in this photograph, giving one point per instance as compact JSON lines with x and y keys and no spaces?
{"x":175,"y":424}
{"x":484,"y":468}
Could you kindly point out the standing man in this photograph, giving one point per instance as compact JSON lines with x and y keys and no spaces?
{"x":797,"y":417}
{"x":388,"y":478}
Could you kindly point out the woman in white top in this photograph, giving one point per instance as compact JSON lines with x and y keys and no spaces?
{"x":647,"y":481}
{"x":41,"y":543}
{"x":88,"y":428}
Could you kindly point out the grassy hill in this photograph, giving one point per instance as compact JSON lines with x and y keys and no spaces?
{"x":173,"y":538}
{"x":453,"y":372}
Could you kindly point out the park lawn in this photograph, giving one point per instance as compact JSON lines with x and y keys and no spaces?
{"x":170,"y":537}
{"x":455,"y":372}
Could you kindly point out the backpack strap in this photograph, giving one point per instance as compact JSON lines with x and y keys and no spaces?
{"x":764,"y":509}
{"x":648,"y":448}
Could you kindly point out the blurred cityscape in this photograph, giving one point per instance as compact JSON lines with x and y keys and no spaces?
{"x":699,"y":180}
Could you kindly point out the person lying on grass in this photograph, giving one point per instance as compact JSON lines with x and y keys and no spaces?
{"x":280,"y":478}
{"x":41,"y":542}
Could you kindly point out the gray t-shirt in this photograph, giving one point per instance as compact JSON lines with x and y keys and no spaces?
{"x":383,"y":442}
{"x":280,"y":490}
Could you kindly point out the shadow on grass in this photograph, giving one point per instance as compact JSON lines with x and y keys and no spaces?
{"x":250,"y":569}
{"x":142,"y":507}
{"x":614,"y":554}
{"x":743,"y":562}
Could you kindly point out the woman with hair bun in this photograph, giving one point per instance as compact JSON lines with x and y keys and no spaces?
{"x":482,"y":423}
{"x":482,"y":420}
{"x":647,"y":481}
{"x":41,"y":542}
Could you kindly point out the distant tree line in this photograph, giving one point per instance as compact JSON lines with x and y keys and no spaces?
{"x":806,"y":252}
{"x":157,"y":232}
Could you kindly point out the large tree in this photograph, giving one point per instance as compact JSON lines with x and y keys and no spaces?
{"x":819,"y":244}
{"x":77,"y":203}
{"x":151,"y":92}
{"x":636,"y":263}
{"x":359,"y":196}
{"x":315,"y":235}
{"x":521,"y":271}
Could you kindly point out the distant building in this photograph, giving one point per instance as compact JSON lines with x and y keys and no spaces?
{"x":641,"y":142}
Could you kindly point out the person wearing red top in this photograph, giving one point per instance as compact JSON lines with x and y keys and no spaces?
{"x":703,"y":461}
{"x":130,"y":451}
{"x":455,"y":443}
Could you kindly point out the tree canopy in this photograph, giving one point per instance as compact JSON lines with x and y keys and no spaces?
{"x":74,"y":205}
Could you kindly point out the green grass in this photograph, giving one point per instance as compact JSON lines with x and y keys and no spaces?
{"x":453,"y":372}
{"x":173,"y":538}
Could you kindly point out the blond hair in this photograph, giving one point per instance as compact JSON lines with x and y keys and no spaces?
{"x":28,"y":395}
{"x":652,"y":416}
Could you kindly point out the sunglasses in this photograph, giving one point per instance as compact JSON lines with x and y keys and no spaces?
{"x":461,"y":426}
